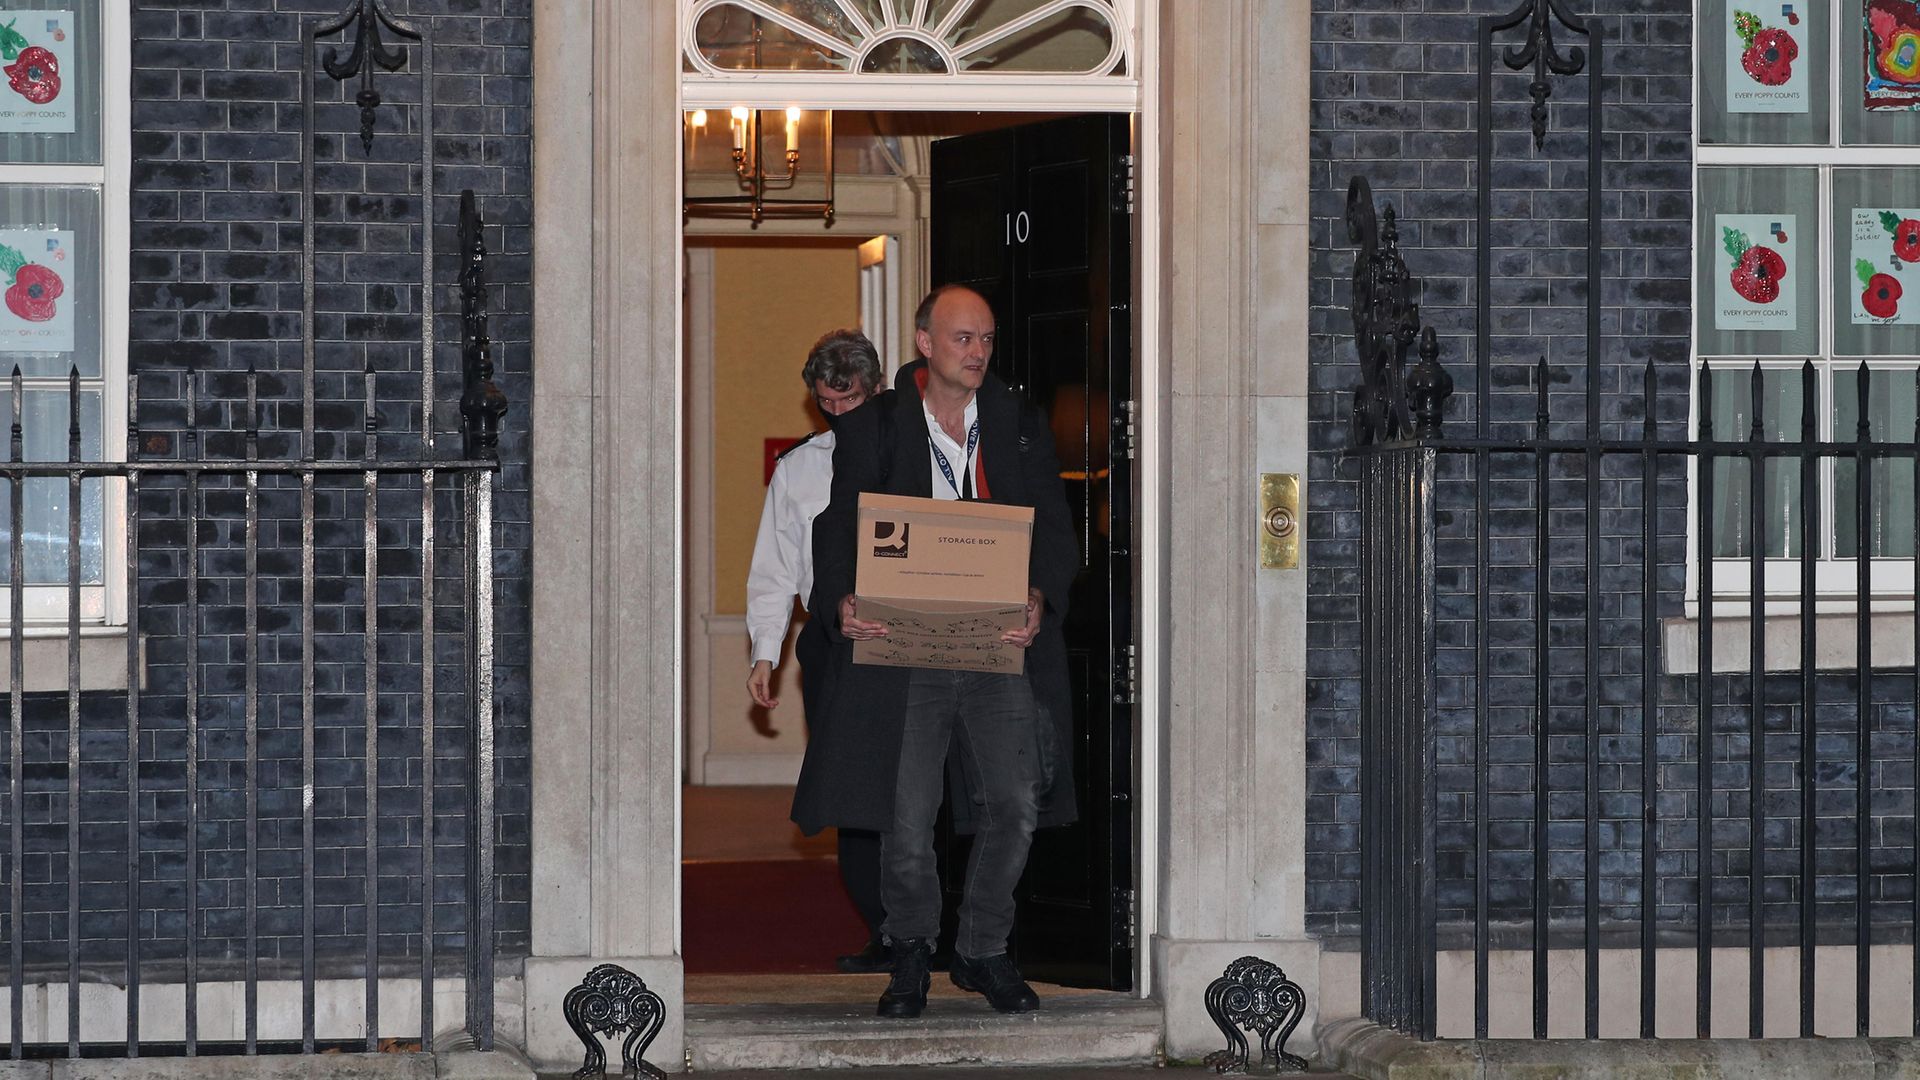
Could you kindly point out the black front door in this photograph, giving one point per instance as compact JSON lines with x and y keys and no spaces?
{"x":1037,"y":218}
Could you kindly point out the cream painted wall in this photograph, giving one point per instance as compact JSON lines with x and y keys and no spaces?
{"x":770,"y":304}
{"x":759,"y":304}
{"x":1234,"y":92}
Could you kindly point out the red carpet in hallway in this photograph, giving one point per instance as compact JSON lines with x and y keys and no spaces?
{"x":785,"y":916}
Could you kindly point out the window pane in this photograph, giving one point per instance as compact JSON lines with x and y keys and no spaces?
{"x":1763,"y":72}
{"x":1876,"y":276}
{"x":50,"y":82}
{"x":50,"y":280}
{"x":1075,"y":39}
{"x":905,"y":56}
{"x":44,"y":425}
{"x":1780,"y":420}
{"x":1890,"y":418}
{"x":734,"y":38}
{"x":1757,"y":267}
{"x":1880,"y":84}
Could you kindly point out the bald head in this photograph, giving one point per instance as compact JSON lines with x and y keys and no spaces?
{"x":923,"y":315}
{"x":953,"y":329}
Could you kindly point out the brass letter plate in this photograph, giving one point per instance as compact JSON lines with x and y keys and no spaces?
{"x":1279,"y":521}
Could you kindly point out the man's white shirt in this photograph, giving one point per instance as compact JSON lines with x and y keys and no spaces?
{"x":958,"y":459}
{"x":783,"y":550}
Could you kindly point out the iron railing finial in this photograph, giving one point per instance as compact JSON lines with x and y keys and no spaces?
{"x":1391,"y":402}
{"x":1541,"y":52}
{"x":367,"y":18}
{"x":481,"y":403}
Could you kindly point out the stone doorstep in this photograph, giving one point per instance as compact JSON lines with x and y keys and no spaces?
{"x":1109,"y":1030}
{"x":455,"y":1065}
{"x":1372,"y":1052}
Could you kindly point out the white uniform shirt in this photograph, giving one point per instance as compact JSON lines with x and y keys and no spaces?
{"x":958,"y":459}
{"x":783,"y":550}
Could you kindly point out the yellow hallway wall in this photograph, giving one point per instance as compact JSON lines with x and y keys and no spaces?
{"x":771,"y":301}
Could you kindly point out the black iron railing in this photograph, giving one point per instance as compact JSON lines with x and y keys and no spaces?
{"x":193,"y":478}
{"x":256,"y":561}
{"x":1540,"y":775}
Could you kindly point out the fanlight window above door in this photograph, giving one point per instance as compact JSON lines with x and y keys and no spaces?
{"x":1075,"y":38}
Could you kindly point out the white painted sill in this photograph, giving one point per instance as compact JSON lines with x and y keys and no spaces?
{"x":1890,"y":630}
{"x":103,"y":658}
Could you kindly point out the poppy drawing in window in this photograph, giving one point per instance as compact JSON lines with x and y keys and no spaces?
{"x":39,"y":67}
{"x":1881,"y":296}
{"x":1753,"y":272}
{"x":34,"y":73}
{"x":1757,"y":269}
{"x":1906,"y":235}
{"x":1892,"y":54}
{"x":32,"y":289}
{"x":1770,"y":52}
{"x":1761,"y":74}
{"x":1885,"y":256}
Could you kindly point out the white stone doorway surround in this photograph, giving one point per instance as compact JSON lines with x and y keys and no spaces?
{"x":1221,"y":344}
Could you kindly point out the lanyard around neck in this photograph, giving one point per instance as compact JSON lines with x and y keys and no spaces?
{"x":946,"y":469}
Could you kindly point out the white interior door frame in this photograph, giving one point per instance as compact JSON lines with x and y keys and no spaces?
{"x":880,"y":299}
{"x":697,"y":265}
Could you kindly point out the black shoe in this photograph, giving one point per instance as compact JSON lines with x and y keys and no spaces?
{"x":873,"y":957}
{"x":998,"y":979}
{"x":906,"y":993}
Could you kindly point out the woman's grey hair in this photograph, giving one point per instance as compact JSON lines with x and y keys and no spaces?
{"x":840,"y":357}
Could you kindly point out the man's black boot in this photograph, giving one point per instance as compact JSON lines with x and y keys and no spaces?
{"x":998,"y":979}
{"x":906,"y":993}
{"x":873,"y":957}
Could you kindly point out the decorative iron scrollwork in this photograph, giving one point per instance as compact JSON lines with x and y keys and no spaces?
{"x":1256,"y":995}
{"x":608,"y":1001}
{"x":481,"y":402}
{"x":369,"y":52}
{"x":1391,"y":401}
{"x":1540,"y":50}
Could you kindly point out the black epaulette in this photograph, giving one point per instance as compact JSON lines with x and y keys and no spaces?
{"x":781,"y":456}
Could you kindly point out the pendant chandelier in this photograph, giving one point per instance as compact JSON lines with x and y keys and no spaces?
{"x":751,"y":175}
{"x":752,"y":200}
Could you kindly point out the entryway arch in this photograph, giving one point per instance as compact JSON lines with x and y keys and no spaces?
{"x":609,"y":515}
{"x":1002,"y":56}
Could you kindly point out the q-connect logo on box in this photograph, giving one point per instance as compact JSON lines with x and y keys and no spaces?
{"x":885,"y":547}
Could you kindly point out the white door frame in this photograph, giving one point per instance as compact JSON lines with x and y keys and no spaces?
{"x":1138,"y":96}
{"x":1221,"y":261}
{"x":609,"y":601}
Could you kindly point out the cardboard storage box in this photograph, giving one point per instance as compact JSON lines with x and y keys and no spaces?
{"x":947,"y":577}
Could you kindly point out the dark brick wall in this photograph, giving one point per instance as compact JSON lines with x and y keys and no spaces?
{"x":1395,"y":83}
{"x":216,"y":287}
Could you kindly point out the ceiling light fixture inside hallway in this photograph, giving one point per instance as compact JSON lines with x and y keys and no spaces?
{"x":749,"y":167}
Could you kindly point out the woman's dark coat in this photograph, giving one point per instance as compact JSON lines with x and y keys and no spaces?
{"x":853,"y":751}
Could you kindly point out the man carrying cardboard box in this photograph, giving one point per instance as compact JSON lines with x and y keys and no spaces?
{"x":949,"y":430}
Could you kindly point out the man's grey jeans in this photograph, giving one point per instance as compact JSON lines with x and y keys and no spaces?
{"x":993,"y":722}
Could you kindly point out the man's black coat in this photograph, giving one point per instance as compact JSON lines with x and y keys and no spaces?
{"x":853,"y":751}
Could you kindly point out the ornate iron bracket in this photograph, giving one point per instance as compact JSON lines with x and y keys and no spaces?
{"x":481,"y":403}
{"x":1392,"y":401}
{"x":610,"y":1000}
{"x":1540,"y":51}
{"x":369,"y":52}
{"x":1256,"y":995}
